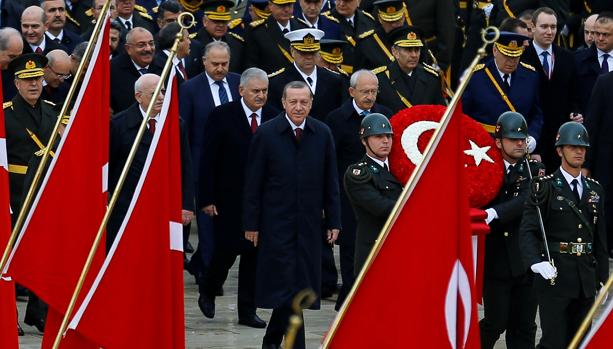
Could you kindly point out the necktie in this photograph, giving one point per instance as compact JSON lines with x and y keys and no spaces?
{"x":298,"y":134}
{"x":545,"y":63}
{"x":151,"y":124}
{"x":285,"y":31}
{"x":605,"y":63}
{"x":385,"y":167}
{"x":575,"y":184}
{"x":505,"y":78}
{"x":364,"y":113}
{"x":128,"y":25}
{"x":309,"y":80}
{"x":38,"y":51}
{"x":57,"y":41}
{"x":143,"y":71}
{"x":182,"y":70}
{"x":350,"y":21}
{"x":510,"y":169}
{"x":254,"y":122}
{"x":223,"y":95}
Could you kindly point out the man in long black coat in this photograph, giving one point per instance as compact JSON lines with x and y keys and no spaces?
{"x":227,"y":137}
{"x":292,"y":180}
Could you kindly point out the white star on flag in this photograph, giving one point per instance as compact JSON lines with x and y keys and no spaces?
{"x":478,"y":153}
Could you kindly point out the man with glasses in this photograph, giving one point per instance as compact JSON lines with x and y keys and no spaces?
{"x":56,"y":72}
{"x":127,"y":68}
{"x":57,"y":26}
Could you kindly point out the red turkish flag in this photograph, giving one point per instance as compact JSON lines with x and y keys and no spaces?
{"x":65,"y":215}
{"x":8,"y":311}
{"x":430,"y":300}
{"x":137,"y":298}
{"x":601,"y":334}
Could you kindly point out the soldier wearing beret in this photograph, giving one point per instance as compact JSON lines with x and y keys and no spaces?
{"x":572,"y":209}
{"x":371,"y":188}
{"x":29,"y":122}
{"x":508,"y":297}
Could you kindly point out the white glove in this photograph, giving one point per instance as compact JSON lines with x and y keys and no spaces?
{"x":546,"y":270}
{"x":488,"y":10}
{"x":531,"y":143}
{"x":491,"y":215}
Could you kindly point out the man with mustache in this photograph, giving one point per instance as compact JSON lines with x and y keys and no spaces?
{"x":55,"y":10}
{"x":127,"y":68}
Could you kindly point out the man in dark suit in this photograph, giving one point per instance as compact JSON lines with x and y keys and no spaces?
{"x":266,"y":47}
{"x":127,"y":68}
{"x":33,"y":32}
{"x":129,"y":18}
{"x":197,"y":98}
{"x":344,"y":122}
{"x":215,"y":27}
{"x":325,"y":85}
{"x":55,"y":10}
{"x":227,"y":137}
{"x":599,"y":123}
{"x":123,"y":130}
{"x":406,"y":82}
{"x":11,"y":46}
{"x":292,"y":180}
{"x":590,"y":62}
{"x":556,"y":70}
{"x":57,"y":71}
{"x":508,"y":295}
{"x":166,"y":38}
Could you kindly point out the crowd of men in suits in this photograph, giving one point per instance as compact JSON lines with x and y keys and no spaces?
{"x":350,"y":58}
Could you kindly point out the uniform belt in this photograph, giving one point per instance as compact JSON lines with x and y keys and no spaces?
{"x":19,"y":169}
{"x":488,"y":128}
{"x":576,"y":248}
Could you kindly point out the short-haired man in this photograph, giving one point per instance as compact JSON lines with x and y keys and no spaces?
{"x":589,"y":31}
{"x":57,"y":72}
{"x":166,"y":38}
{"x":55,"y":11}
{"x":11,"y":46}
{"x":129,"y":18}
{"x":33,"y":27}
{"x":310,"y":14}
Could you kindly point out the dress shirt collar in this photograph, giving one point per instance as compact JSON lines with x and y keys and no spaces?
{"x":539,"y":50}
{"x":286,"y":27}
{"x":144,"y":114}
{"x":294,"y":127}
{"x":379,"y":162}
{"x":175,"y":59}
{"x":313,"y":76}
{"x":601,"y":53}
{"x":313,"y":25}
{"x":138,"y":66}
{"x":212,"y":82}
{"x":248,"y":111}
{"x":357,"y":109}
{"x":569,"y":178}
{"x":42,"y":45}
{"x":60,"y":36}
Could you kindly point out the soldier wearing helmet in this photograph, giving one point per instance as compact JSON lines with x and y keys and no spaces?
{"x":371,"y":189}
{"x":572,"y":209}
{"x":508,"y":296}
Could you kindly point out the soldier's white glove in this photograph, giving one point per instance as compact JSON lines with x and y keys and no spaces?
{"x":546,"y":270}
{"x":531,"y":143}
{"x":491,"y":215}
{"x":488,"y":10}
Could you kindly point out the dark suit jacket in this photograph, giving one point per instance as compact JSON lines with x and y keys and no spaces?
{"x":599,"y":124}
{"x":236,"y":43}
{"x":139,"y":21}
{"x":344,"y":122}
{"x":328,"y":90}
{"x":289,"y":185}
{"x":227,"y":137}
{"x":193,"y":62}
{"x":11,"y":12}
{"x":588,"y":70}
{"x":69,"y":40}
{"x":195,"y":104}
{"x":49,"y":46}
{"x":123,"y":77}
{"x":123,"y":130}
{"x":56,"y":95}
{"x":557,"y":97}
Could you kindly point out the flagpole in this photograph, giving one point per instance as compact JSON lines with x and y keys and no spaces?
{"x":590,"y":315}
{"x":124,"y":173}
{"x":412,"y":182}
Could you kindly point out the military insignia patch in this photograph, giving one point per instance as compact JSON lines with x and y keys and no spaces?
{"x":594,"y":198}
{"x":30,"y":65}
{"x":560,"y":198}
{"x":356,"y":172}
{"x":541,"y":172}
{"x":390,"y":9}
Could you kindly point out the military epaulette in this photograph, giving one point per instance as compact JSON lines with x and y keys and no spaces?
{"x":273,"y":74}
{"x":527,"y":66}
{"x":145,"y":15}
{"x":330,"y":17}
{"x":430,"y":69}
{"x":193,"y":35}
{"x":49,"y":102}
{"x":368,"y":15}
{"x":479,"y":67}
{"x":8,"y":104}
{"x":257,"y":23}
{"x":155,"y":9}
{"x":332,"y":71}
{"x":74,"y":21}
{"x":235,"y":23}
{"x":237,"y":37}
{"x":379,"y":70}
{"x":366,"y":34}
{"x":140,"y":9}
{"x":326,"y":13}
{"x":90,"y":12}
{"x":343,"y":72}
{"x":592,"y":180}
{"x":359,"y":172}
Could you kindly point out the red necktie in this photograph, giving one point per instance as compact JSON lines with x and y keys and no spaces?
{"x":254,"y":122}
{"x":298,"y":134}
{"x":151,"y":123}
{"x":182,"y":70}
{"x":38,"y":51}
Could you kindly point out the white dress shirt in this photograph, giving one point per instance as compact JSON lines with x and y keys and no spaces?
{"x":248,"y":113}
{"x":215,"y":89}
{"x":313,"y":76}
{"x":569,"y":178}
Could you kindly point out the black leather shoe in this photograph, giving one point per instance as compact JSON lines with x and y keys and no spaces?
{"x":270,"y":346}
{"x":188,"y":247}
{"x":252,"y":320}
{"x":20,"y":330}
{"x":38,"y":323}
{"x":207,"y":306}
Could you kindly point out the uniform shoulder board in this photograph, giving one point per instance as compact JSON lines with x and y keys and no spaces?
{"x":479,"y":67}
{"x":332,"y":71}
{"x":145,"y":15}
{"x":193,"y":35}
{"x":257,"y":23}
{"x":330,"y":17}
{"x":588,"y":178}
{"x":49,"y":102}
{"x":273,"y":74}
{"x":89,"y":13}
{"x":527,"y":66}
{"x":343,"y":72}
{"x":366,"y":34}
{"x":326,"y":13}
{"x":379,"y":70}
{"x":140,"y":9}
{"x":237,"y":37}
{"x":155,"y":9}
{"x":8,"y":104}
{"x":235,"y":23}
{"x":71,"y":19}
{"x":430,"y":69}
{"x":359,"y":173}
{"x":368,"y":15}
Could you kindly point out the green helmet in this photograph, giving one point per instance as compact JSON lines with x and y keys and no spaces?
{"x":375,"y":124}
{"x":572,"y":133}
{"x":511,"y":125}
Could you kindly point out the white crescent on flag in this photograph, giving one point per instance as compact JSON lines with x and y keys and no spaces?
{"x":410,"y":137}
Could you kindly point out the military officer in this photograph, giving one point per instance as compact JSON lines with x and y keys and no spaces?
{"x":508,"y":297}
{"x":572,"y":210}
{"x":371,"y":188}
{"x":406,"y":82}
{"x":29,"y":122}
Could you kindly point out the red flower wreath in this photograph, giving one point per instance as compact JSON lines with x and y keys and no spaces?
{"x":485,"y":166}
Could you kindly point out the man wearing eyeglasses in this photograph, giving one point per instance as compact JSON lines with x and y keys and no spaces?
{"x":56,"y":72}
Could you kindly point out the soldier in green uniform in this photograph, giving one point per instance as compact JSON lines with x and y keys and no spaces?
{"x":406,"y":82}
{"x":372,"y":190}
{"x":29,"y":122}
{"x":572,"y":209}
{"x":508,"y":296}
